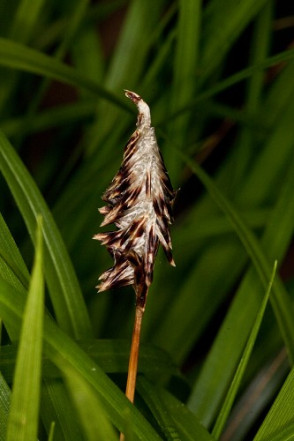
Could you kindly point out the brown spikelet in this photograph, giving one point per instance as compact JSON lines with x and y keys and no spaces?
{"x":139,"y":201}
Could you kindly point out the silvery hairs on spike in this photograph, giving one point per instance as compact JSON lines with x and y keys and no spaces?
{"x":139,"y":203}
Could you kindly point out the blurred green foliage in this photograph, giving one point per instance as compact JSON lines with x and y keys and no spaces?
{"x":219,"y":78}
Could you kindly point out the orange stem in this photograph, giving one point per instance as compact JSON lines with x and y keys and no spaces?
{"x":134,"y":357}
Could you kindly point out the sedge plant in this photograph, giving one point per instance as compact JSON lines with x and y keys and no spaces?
{"x":217,"y":338}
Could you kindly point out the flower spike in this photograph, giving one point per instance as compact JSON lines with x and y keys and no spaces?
{"x":139,"y":203}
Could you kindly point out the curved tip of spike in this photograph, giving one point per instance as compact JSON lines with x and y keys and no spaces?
{"x":144,"y":117}
{"x":132,"y":96}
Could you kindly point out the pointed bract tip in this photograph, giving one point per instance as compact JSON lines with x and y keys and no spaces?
{"x":132,"y":96}
{"x":172,"y":262}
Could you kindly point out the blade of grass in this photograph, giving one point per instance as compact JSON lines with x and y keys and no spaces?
{"x":96,"y":14}
{"x":22,"y":27}
{"x":55,"y":117}
{"x":280,"y":417}
{"x":222,"y":85}
{"x":220,"y":31}
{"x":87,"y":54}
{"x":73,"y":24}
{"x":173,"y":417}
{"x":64,"y":289}
{"x":24,"y":23}
{"x":24,"y":408}
{"x":12,"y":266}
{"x":89,"y":409}
{"x":56,"y":406}
{"x":232,"y":392}
{"x":259,"y":50}
{"x":18,"y":56}
{"x":185,"y":66}
{"x":51,"y":432}
{"x":271,"y":162}
{"x":163,"y":418}
{"x":5,"y":397}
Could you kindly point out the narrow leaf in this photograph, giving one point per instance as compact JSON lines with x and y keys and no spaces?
{"x":175,"y":419}
{"x":278,"y":424}
{"x":12,"y":266}
{"x":228,"y":402}
{"x":221,"y":30}
{"x":185,"y":66}
{"x":18,"y":56}
{"x":89,"y":408}
{"x":5,"y":396}
{"x":24,"y":409}
{"x":63,"y":284}
{"x":51,"y":432}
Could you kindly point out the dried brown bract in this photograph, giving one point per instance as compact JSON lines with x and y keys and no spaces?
{"x":139,"y":202}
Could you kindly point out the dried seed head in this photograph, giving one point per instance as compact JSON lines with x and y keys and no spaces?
{"x":139,"y":202}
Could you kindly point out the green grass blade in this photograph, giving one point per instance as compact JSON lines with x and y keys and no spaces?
{"x":24,"y":408}
{"x":23,"y":23}
{"x":222,"y":85}
{"x":5,"y":396}
{"x":185,"y":66}
{"x":231,"y":395}
{"x":12,"y":266}
{"x":64,"y":289}
{"x":73,"y":24}
{"x":259,"y":49}
{"x":58,"y":346}
{"x":17,"y":56}
{"x":51,"y":432}
{"x":221,"y":30}
{"x":22,"y":27}
{"x":56,"y":406}
{"x":280,"y":416}
{"x":87,"y":54}
{"x":56,"y":117}
{"x":152,"y":399}
{"x":89,"y":409}
{"x":174,"y":419}
{"x":284,"y":434}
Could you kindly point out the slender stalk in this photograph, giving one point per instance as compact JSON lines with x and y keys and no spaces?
{"x":134,"y":357}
